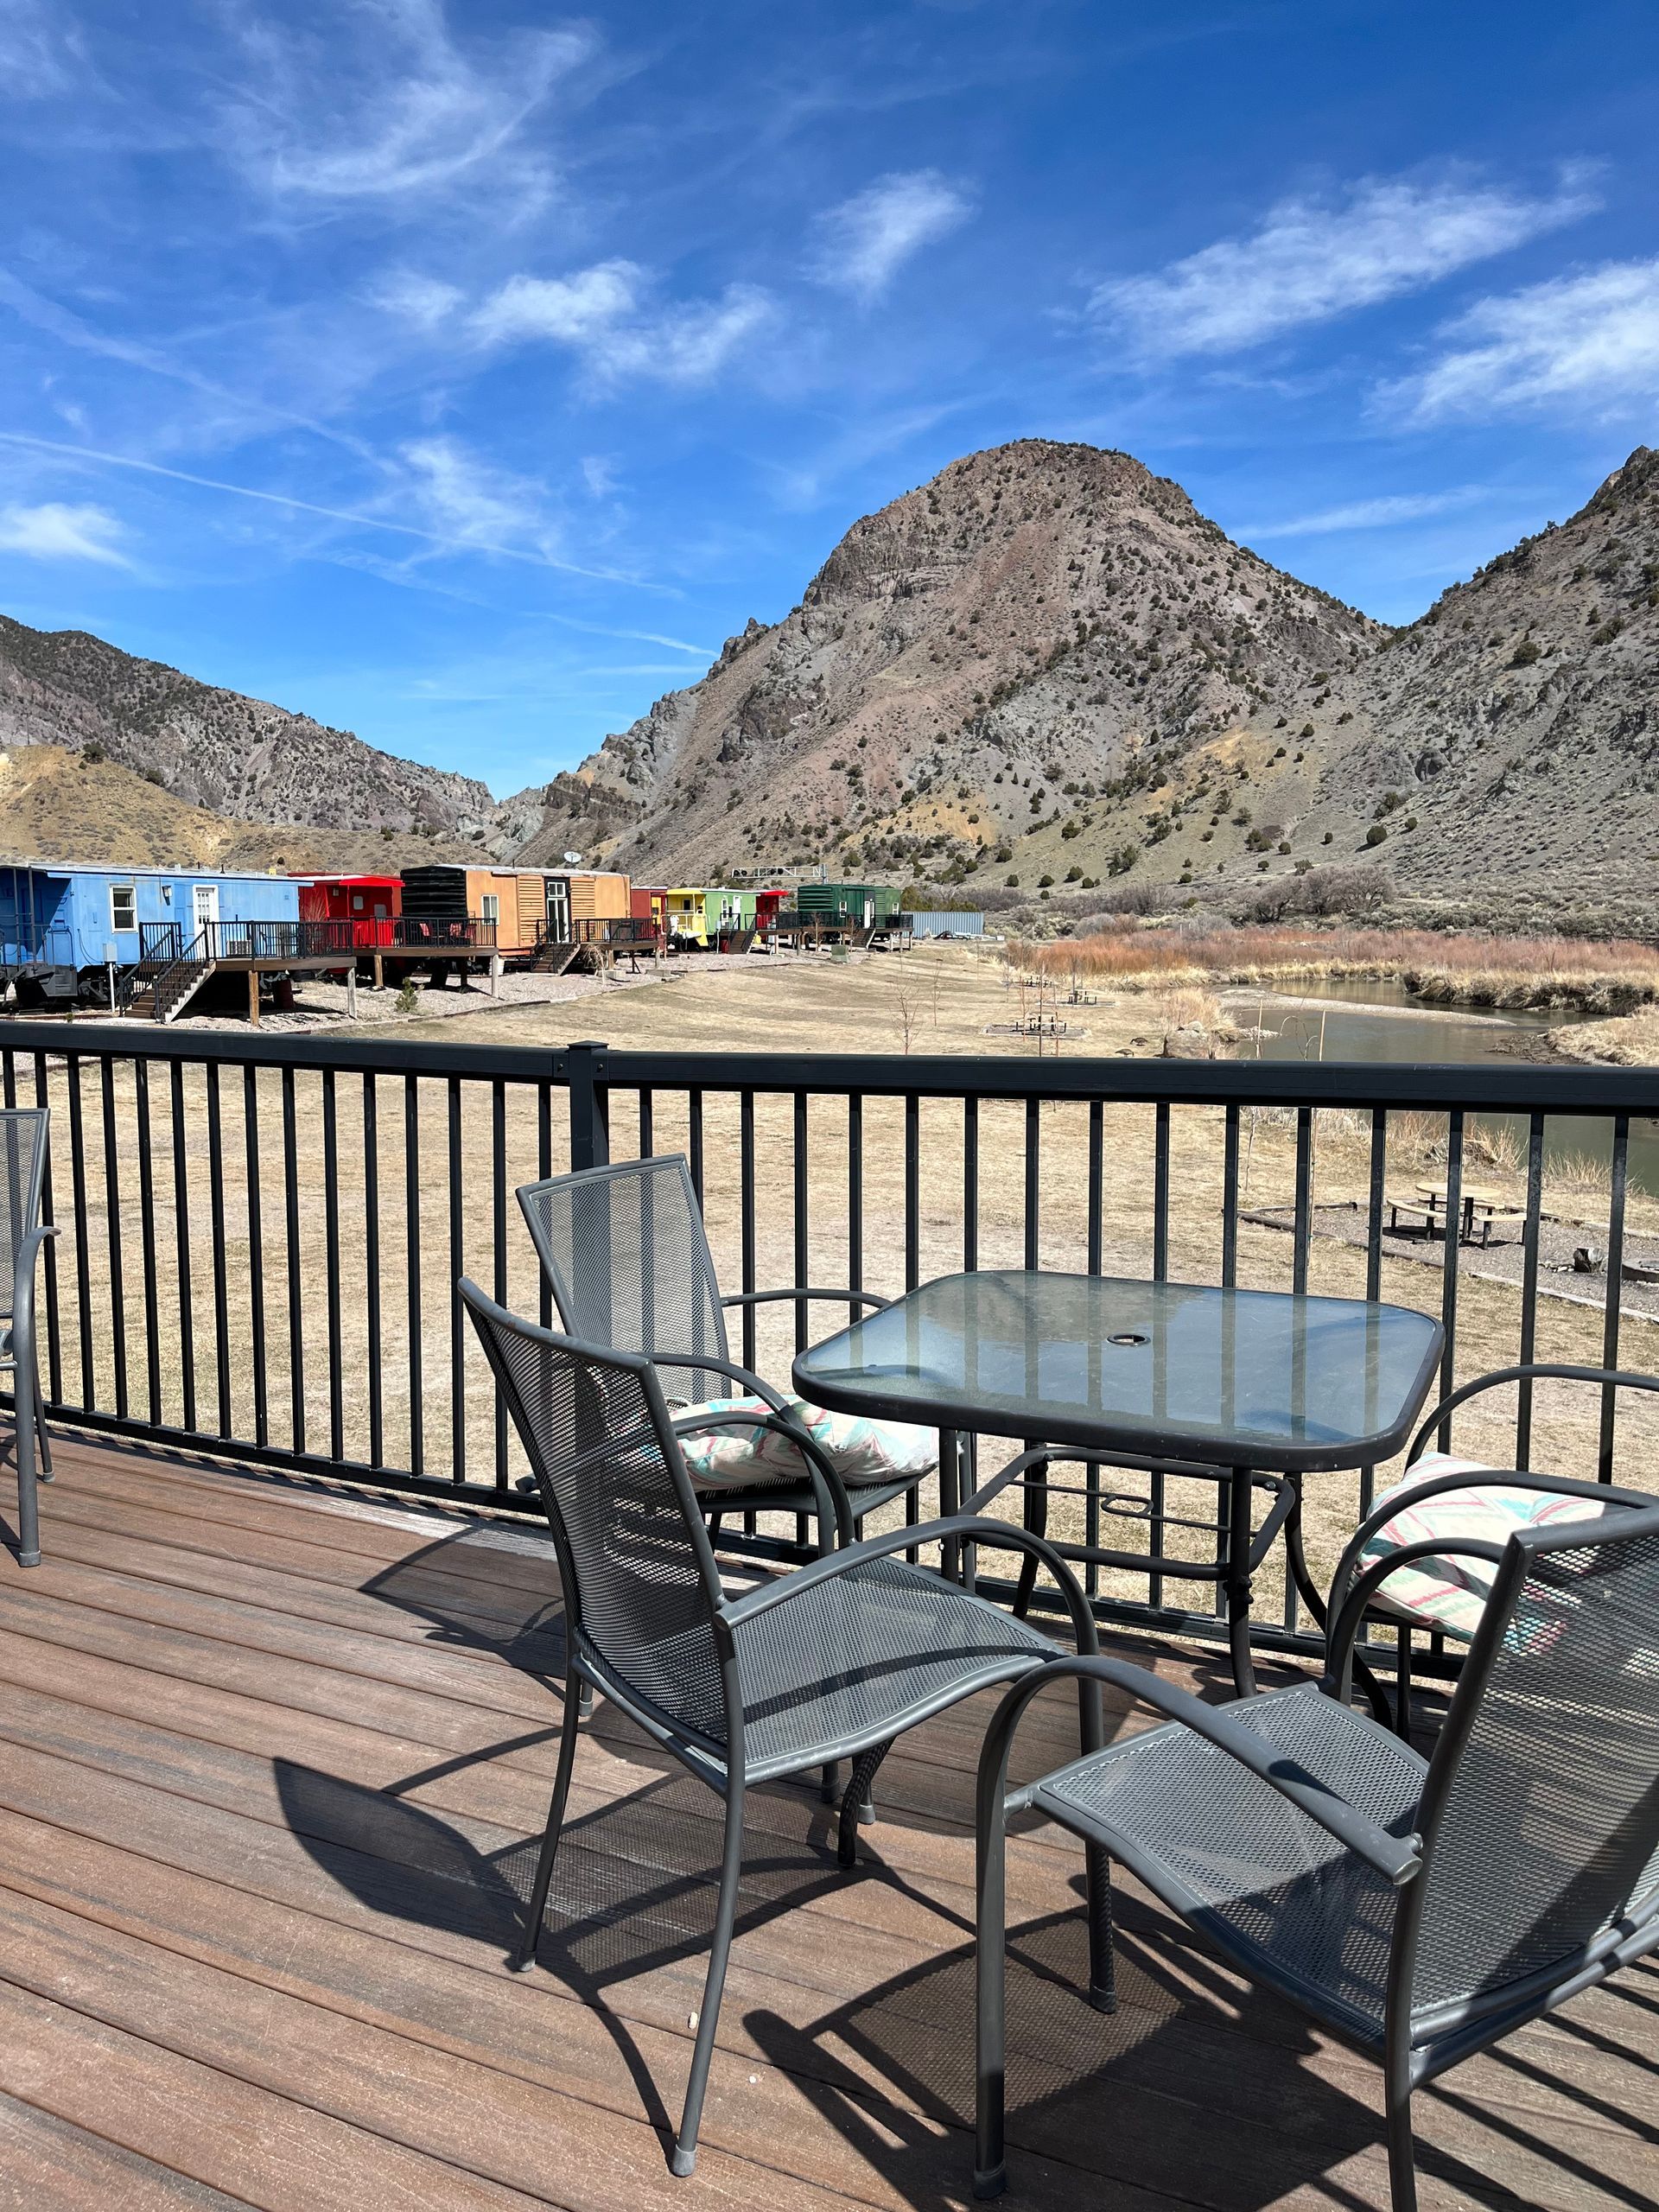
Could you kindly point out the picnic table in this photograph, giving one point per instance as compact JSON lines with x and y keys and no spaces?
{"x":1479,"y":1207}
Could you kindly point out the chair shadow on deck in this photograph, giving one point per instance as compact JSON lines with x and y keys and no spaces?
{"x":1195,"y":2074}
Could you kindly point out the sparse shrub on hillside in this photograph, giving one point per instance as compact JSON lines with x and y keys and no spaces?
{"x":1376,"y":834}
{"x":1306,"y":730}
{"x":1525,"y":653}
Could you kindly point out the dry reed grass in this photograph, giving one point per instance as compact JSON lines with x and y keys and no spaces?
{"x":1565,"y":972}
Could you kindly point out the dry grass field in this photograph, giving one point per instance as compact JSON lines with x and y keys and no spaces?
{"x":397,"y":1399}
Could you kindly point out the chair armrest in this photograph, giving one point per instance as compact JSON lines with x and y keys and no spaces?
{"x":23,"y":1279}
{"x":1337,"y":1681}
{"x":1396,"y":1858}
{"x":994,"y":1534}
{"x":710,"y":1363}
{"x":804,"y":1290}
{"x":1533,"y":1371}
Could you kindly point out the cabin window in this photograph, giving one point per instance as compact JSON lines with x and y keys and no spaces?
{"x":123,"y":906}
{"x":489,"y":905}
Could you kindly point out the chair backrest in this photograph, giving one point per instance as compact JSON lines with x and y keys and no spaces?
{"x":1541,"y":1812}
{"x":628,"y":1263}
{"x":22,"y":1166}
{"x":640,"y":1586}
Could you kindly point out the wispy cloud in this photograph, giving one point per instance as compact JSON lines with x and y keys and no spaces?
{"x":378,"y":99}
{"x":603,"y":315}
{"x":40,"y":54}
{"x":471,"y":503}
{"x":361,"y":518}
{"x":1367,"y":514}
{"x":56,"y":533}
{"x":424,"y":301}
{"x":1587,"y":344}
{"x":1311,"y":260}
{"x":863,"y":242}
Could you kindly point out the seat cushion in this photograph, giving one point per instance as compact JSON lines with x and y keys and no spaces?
{"x":1450,"y":1594}
{"x":860,"y":1451}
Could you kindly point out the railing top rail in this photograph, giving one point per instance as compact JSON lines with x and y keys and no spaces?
{"x":1523,"y":1088}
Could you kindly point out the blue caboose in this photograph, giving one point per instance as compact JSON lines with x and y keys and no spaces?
{"x":63,"y":927}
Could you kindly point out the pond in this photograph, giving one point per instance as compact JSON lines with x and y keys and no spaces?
{"x":1352,"y":1019}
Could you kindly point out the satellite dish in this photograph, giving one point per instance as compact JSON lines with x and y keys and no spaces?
{"x":573,"y":858}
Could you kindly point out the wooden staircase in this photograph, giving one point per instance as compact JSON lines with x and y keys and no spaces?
{"x":164,"y":994}
{"x":553,"y":955}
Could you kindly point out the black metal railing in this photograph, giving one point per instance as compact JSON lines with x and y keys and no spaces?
{"x":160,"y":943}
{"x":260,"y":1240}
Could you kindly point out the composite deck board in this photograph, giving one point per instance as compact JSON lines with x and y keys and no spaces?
{"x":273,"y":1765}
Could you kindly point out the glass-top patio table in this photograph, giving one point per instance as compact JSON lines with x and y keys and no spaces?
{"x":1251,"y":1390}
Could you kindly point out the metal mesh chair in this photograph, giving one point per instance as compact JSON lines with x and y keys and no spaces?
{"x":627,"y":1261}
{"x":1417,"y":1908}
{"x":1439,"y":1594}
{"x":832,"y":1662}
{"x":23,"y":1137}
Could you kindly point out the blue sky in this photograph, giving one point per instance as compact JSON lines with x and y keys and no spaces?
{"x":464,"y":375}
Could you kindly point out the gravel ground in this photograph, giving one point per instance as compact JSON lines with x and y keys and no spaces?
{"x":1502,"y":1259}
{"x":322,"y":1006}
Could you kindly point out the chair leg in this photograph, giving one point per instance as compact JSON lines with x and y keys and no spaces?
{"x":684,"y":2156}
{"x":29,"y":1518}
{"x":1402,"y":2157}
{"x":524,"y":1957}
{"x":1402,"y":1682}
{"x":1103,"y":1954}
{"x":857,"y":1804}
{"x":1036,"y":1519}
{"x":990,"y":2166}
{"x":42,"y":1430}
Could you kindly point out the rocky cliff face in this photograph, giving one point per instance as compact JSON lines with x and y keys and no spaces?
{"x":1039,"y":622}
{"x":215,"y":749}
{"x":1047,"y":669}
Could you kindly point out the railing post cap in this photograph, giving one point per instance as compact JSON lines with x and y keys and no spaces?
{"x":588,"y":1045}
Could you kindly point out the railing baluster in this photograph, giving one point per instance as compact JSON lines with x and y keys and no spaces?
{"x":83,"y":1267}
{"x":912,"y":1192}
{"x":1531,"y":1241}
{"x":412,"y":1266}
{"x":855,"y":1196}
{"x":802,"y":1258}
{"x":221,"y":1258}
{"x":1374,"y":1203}
{"x":969,"y":1186}
{"x":182,"y":1247}
{"x":1161,"y":1192}
{"x":372,"y":1268}
{"x":543,"y":1169}
{"x":1615,"y":1280}
{"x":256,"y":1255}
{"x":294,"y":1259}
{"x":147,"y":1237}
{"x":331,"y":1224}
{"x":746,"y":1172}
{"x":1230,"y":1198}
{"x":694,"y":1132}
{"x":1453,"y":1234}
{"x":1097,"y":1177}
{"x":113,"y":1210}
{"x":1034,"y":1183}
{"x":498,"y":1225}
{"x":1304,"y":1231}
{"x":457,"y":1269}
{"x":54,"y":1354}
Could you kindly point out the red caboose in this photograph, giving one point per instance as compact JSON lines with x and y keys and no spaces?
{"x":370,"y":903}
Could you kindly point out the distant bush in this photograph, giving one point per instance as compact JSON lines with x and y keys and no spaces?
{"x":1525,"y":653}
{"x":1306,"y":730}
{"x":1376,"y":834}
{"x":1319,"y":892}
{"x":92,"y":755}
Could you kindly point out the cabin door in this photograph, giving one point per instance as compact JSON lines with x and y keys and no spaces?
{"x":207,"y":906}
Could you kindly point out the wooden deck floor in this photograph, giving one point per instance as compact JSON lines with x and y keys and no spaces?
{"x":272,"y":1767}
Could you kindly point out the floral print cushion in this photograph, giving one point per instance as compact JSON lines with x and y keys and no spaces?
{"x":860,"y":1451}
{"x":1450,"y":1594}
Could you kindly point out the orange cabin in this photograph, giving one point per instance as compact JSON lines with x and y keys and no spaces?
{"x":370,"y":903}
